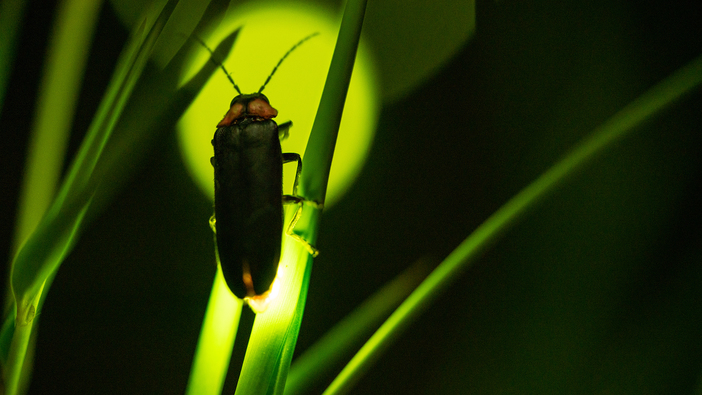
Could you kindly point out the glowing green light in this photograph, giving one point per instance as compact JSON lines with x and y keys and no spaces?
{"x":295,"y":89}
{"x":216,"y":340}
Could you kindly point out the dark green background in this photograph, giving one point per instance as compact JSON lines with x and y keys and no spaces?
{"x":597,"y":291}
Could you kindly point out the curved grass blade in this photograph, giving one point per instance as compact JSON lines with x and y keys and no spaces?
{"x":151,"y":111}
{"x":61,"y":80}
{"x":53,"y":238}
{"x":320,"y":147}
{"x":96,"y":161}
{"x":486,"y":235}
{"x":62,"y":76}
{"x":274,"y":334}
{"x":39,"y":255}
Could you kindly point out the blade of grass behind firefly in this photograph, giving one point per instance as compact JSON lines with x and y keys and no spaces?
{"x":128,"y":53}
{"x":136,"y":129}
{"x":214,"y":346}
{"x":66,"y":57}
{"x":111,"y":164}
{"x":274,"y":334}
{"x":56,"y":230}
{"x":488,"y":233}
{"x":60,"y":82}
{"x":41,"y":255}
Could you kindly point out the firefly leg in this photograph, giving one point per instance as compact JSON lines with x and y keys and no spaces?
{"x":213,"y":224}
{"x":291,"y":157}
{"x":295,"y":199}
{"x":290,"y":231}
{"x":284,"y":130}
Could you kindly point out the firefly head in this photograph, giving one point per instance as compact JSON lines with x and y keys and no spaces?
{"x":254,"y":105}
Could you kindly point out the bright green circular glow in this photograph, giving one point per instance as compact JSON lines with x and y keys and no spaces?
{"x":295,"y":90}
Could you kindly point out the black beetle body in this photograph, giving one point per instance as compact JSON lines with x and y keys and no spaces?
{"x":248,"y":177}
{"x":248,"y":169}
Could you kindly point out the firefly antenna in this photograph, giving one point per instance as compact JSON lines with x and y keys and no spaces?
{"x":218,"y":63}
{"x":283,"y":58}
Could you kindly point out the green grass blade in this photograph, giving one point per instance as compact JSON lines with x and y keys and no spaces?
{"x":275,"y":331}
{"x":214,"y":347}
{"x":283,"y":367}
{"x":274,"y":334}
{"x":36,"y":263}
{"x":53,"y":238}
{"x":328,"y":352}
{"x":42,"y":255}
{"x":109,"y":111}
{"x":620,"y":125}
{"x":66,"y":58}
{"x":152,"y":110}
{"x":320,"y":147}
{"x":62,"y":77}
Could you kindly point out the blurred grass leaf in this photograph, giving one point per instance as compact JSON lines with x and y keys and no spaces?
{"x":39,"y":258}
{"x":58,"y":97}
{"x":488,"y":233}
